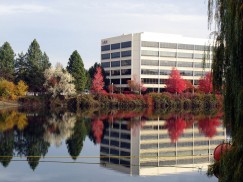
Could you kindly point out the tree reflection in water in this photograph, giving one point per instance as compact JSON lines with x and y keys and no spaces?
{"x":29,"y":134}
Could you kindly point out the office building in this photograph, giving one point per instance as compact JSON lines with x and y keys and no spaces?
{"x":148,"y":150}
{"x":150,"y":57}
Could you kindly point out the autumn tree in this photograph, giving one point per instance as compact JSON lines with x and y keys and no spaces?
{"x":175,"y":126}
{"x":112,"y":88}
{"x":189,"y":86}
{"x":8,"y":90}
{"x":136,"y":85}
{"x":97,"y":130}
{"x":7,"y":62}
{"x":208,"y":126}
{"x":92,"y":71}
{"x":205,"y":84}
{"x":76,"y":68}
{"x":175,"y":84}
{"x":59,"y":82}
{"x":98,"y":82}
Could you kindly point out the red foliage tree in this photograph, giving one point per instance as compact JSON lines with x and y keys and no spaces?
{"x":208,"y":126}
{"x":205,"y":84}
{"x":97,"y":130}
{"x":175,"y":84}
{"x":189,"y":86}
{"x":175,"y":127}
{"x":98,"y":81}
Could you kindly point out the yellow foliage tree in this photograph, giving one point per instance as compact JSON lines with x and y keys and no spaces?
{"x":21,"y":88}
{"x":10,"y":119}
{"x":8,"y":90}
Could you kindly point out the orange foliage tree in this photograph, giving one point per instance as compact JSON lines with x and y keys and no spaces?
{"x":175,"y":84}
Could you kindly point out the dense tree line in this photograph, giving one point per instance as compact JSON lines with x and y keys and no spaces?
{"x":30,"y":67}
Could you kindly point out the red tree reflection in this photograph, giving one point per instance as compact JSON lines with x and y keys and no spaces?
{"x":175,"y":127}
{"x":208,"y":126}
{"x":97,"y":130}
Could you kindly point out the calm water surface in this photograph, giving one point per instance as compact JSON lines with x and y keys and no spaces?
{"x":111,"y":146}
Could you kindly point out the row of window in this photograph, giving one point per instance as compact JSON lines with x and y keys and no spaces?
{"x":122,"y":72}
{"x":148,"y":62}
{"x":116,"y":55}
{"x":116,"y":63}
{"x":168,"y":72}
{"x":116,"y":46}
{"x":175,"y":46}
{"x":172,"y":54}
{"x":155,"y":63}
{"x":120,"y":81}
{"x":179,"y":144}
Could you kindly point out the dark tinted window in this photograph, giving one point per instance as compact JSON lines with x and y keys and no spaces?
{"x":115,"y":63}
{"x":126,"y":53}
{"x":105,"y":65}
{"x":115,"y":46}
{"x":115,"y":55}
{"x":126,"y":72}
{"x":105,"y":48}
{"x":115,"y":81}
{"x":105,"y":56}
{"x":125,"y":62}
{"x":126,"y":44}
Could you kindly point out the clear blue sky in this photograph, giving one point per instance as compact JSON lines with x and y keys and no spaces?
{"x":62,"y":26}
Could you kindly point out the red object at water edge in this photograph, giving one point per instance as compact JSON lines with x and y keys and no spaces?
{"x":220,"y":149}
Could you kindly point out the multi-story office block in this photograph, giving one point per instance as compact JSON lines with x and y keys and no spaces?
{"x":149,"y":150}
{"x":150,"y":58}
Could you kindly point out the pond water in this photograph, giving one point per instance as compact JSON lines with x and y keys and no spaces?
{"x":36,"y":145}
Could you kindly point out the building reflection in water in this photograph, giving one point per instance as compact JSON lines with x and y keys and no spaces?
{"x":149,"y":150}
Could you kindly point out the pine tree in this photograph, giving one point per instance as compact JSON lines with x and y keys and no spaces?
{"x":45,"y":62}
{"x":7,"y":62}
{"x":20,"y":67}
{"x":36,"y":63}
{"x":76,"y":68}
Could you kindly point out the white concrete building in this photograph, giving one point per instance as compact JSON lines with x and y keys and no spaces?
{"x":148,"y":150}
{"x":150,"y":57}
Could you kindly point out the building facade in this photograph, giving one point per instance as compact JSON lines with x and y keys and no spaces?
{"x":150,"y":57}
{"x":148,"y":150}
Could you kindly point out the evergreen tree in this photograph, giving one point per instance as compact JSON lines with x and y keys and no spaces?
{"x":6,"y":147}
{"x":76,"y":68}
{"x":21,"y":68}
{"x":75,"y":142}
{"x":7,"y":62}
{"x":36,"y":63}
{"x":45,"y":62}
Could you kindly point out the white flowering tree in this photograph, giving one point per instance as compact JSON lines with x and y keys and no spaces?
{"x":59,"y":82}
